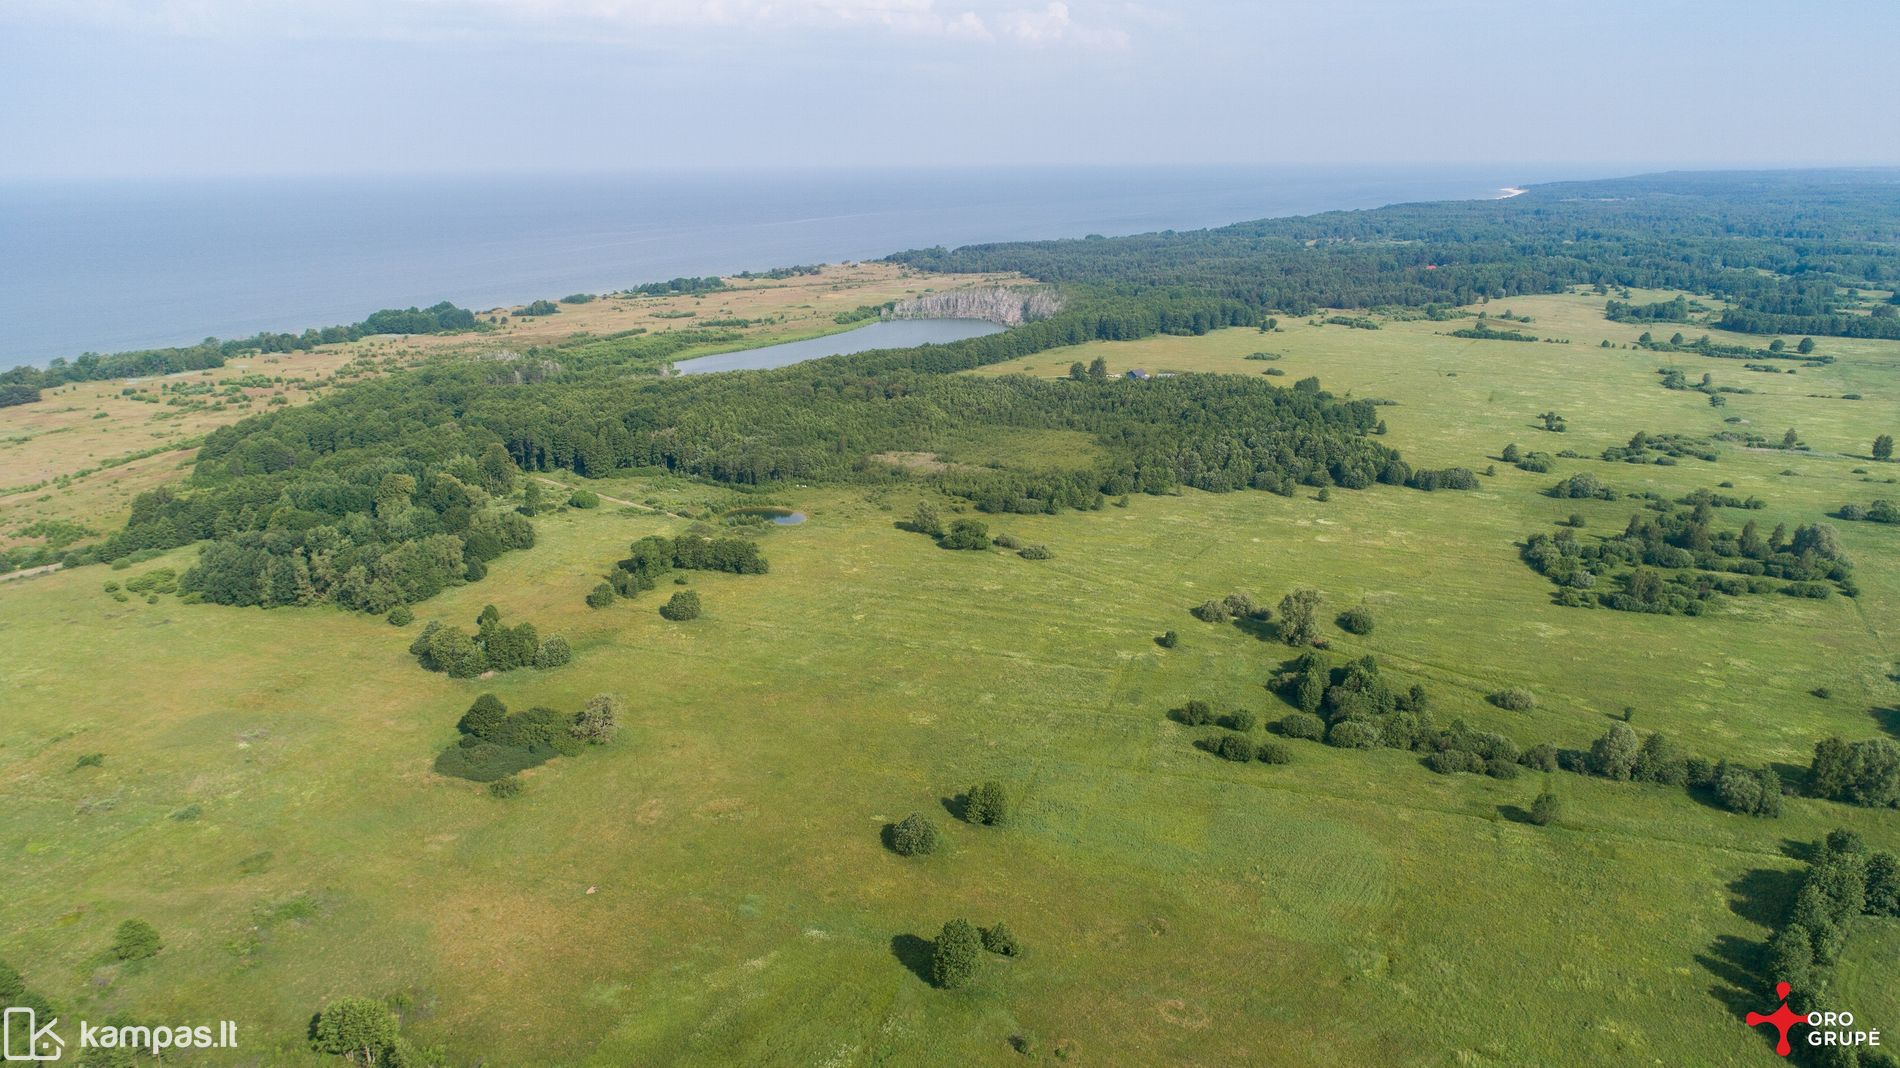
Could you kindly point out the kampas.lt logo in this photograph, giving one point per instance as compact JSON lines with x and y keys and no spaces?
{"x":24,"y":1039}
{"x":1826,"y":1028}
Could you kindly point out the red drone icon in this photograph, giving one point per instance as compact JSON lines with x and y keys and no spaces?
{"x":1783,"y":1018}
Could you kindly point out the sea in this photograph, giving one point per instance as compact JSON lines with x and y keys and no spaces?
{"x":110,"y":265}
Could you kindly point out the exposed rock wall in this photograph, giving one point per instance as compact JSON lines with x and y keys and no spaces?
{"x":1002,"y":305}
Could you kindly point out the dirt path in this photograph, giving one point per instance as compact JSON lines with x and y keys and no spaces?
{"x":29,"y":572}
{"x":604,"y":497}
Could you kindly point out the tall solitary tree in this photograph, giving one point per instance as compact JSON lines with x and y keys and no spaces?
{"x":1883,"y":447}
{"x":1298,"y":625}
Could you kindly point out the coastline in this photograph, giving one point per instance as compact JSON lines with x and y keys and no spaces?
{"x":322,"y":252}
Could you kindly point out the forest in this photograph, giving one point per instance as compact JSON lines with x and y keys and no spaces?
{"x":1784,"y":247}
{"x":20,"y":385}
{"x":377,"y":495}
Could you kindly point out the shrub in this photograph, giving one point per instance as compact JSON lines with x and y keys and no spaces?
{"x":505,"y":787}
{"x":914,"y":836}
{"x":360,"y":1029}
{"x":90,"y":760}
{"x":1750,"y":791}
{"x":1353,"y":734}
{"x":1501,"y":769}
{"x":1035,"y":552}
{"x":401,"y":616}
{"x":1515,"y":699}
{"x":1302,"y":725}
{"x":1195,"y":713}
{"x":1242,"y":606}
{"x":584,"y":498}
{"x":1168,"y":640}
{"x":553,"y":653}
{"x":1233,"y":747}
{"x":598,"y":720}
{"x":683,"y":606}
{"x":967,"y":534}
{"x":953,"y":958}
{"x":925,"y":520}
{"x":987,"y":804}
{"x":1540,"y":757}
{"x":136,"y":940}
{"x":484,"y":717}
{"x":1210,"y":612}
{"x":1239,"y":719}
{"x":1661,"y":760}
{"x":1454,"y":761}
{"x":1274,"y":753}
{"x":1356,"y":620}
{"x":1546,"y":809}
{"x":1001,"y":941}
{"x":600,"y":596}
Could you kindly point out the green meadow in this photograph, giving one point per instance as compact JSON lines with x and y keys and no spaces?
{"x":711,"y":888}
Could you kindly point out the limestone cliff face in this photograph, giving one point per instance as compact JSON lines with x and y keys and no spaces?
{"x":1002,"y":305}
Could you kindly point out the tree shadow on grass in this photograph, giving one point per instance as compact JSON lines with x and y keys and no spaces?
{"x":958,"y":806}
{"x":1794,"y":777}
{"x":1515,"y":813}
{"x":1887,"y":719}
{"x":1764,"y":895}
{"x":1264,"y":629}
{"x":1736,"y":964}
{"x":913,"y":953}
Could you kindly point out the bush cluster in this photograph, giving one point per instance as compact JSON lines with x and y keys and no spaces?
{"x":496,"y":743}
{"x":493,"y":647}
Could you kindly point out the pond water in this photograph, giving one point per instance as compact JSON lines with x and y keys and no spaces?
{"x":886,"y":334}
{"x":783,"y":517}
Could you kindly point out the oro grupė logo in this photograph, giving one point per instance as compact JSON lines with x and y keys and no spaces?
{"x":1825,"y":1028}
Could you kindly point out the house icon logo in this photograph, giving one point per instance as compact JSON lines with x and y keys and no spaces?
{"x":25,"y":1040}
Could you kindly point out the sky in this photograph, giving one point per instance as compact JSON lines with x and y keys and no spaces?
{"x":147,"y":88}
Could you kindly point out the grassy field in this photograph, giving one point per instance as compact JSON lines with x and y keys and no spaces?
{"x":711,"y":889}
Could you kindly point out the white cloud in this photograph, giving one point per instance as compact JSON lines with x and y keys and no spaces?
{"x":1053,"y":24}
{"x":964,"y":20}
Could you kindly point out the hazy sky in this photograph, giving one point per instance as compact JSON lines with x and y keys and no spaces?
{"x":140,"y":87}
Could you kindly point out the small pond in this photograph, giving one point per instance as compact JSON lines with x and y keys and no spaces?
{"x":783,"y":517}
{"x":887,"y":334}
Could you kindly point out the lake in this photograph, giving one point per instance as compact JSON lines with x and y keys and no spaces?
{"x":106,"y":266}
{"x":890,"y":334}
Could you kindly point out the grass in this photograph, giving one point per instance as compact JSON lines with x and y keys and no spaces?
{"x":1175,"y":908}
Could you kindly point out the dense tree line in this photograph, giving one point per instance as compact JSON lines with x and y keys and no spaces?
{"x":1857,"y":773}
{"x":1662,"y":311}
{"x":212,"y":352}
{"x":1775,"y":244}
{"x":1844,"y":880}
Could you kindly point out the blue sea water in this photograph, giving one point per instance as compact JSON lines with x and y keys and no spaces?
{"x":104,"y":266}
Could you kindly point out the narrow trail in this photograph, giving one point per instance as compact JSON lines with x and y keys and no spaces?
{"x":604,"y":497}
{"x":29,"y":572}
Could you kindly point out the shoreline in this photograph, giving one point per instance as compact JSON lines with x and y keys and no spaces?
{"x":1510,"y":191}
{"x":583,"y":238}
